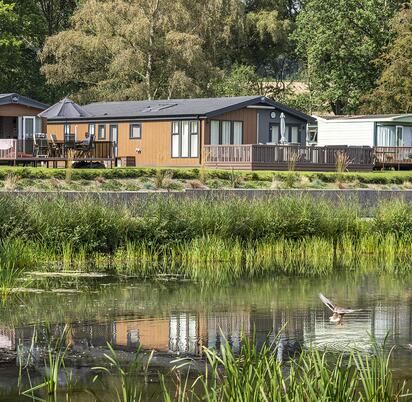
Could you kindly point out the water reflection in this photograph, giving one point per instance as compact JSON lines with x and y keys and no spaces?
{"x":181,"y":319}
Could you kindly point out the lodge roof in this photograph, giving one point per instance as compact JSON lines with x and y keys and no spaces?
{"x":14,"y":98}
{"x":374,"y":117}
{"x":180,"y":108}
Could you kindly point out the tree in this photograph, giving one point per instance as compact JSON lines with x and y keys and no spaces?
{"x":268,"y":46}
{"x":10,"y":46}
{"x":24,"y":26}
{"x":338,"y":41}
{"x":140,"y":49}
{"x":394,"y":91}
{"x":241,"y":80}
{"x":56,"y":13}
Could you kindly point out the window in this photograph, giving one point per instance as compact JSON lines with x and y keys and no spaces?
{"x":66,"y":130}
{"x":185,"y":139}
{"x":194,"y":140}
{"x":386,"y":136}
{"x":214,"y":132}
{"x":91,"y":129}
{"x":101,"y":132}
{"x":226,"y":132}
{"x":175,"y":140}
{"x":274,"y":133}
{"x":135,"y":131}
{"x":294,"y":134}
{"x":237,"y":132}
{"x":399,"y":136}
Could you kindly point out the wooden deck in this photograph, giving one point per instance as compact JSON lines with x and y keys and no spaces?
{"x":278,"y":157}
{"x":21,"y":152}
{"x":393,"y":157}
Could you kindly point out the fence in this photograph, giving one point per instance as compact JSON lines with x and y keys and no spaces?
{"x":256,"y":156}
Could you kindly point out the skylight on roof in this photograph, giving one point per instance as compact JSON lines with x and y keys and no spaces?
{"x":158,"y":107}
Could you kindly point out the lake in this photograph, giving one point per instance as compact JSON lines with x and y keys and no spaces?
{"x":177,"y":319}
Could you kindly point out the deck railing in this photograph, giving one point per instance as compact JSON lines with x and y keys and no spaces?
{"x":278,"y":156}
{"x":393,"y":155}
{"x":13,"y":149}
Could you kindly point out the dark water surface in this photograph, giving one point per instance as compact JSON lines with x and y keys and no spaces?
{"x":178,"y":319}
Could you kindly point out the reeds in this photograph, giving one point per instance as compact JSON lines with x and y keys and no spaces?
{"x":54,"y":364}
{"x":256,"y":375}
{"x":205,"y":238}
{"x":128,"y":389}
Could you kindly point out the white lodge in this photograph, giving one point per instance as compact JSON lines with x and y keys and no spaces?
{"x":373,"y":130}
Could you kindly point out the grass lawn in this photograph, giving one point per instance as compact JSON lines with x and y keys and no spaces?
{"x":178,"y":179}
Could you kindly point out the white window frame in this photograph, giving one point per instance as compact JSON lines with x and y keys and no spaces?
{"x":185,"y":139}
{"x":99,"y":126}
{"x":133,"y":126}
{"x":91,"y":129}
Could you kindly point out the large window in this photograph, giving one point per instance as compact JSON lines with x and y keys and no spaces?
{"x":185,"y":139}
{"x":388,"y":136}
{"x":226,"y":132}
{"x":101,"y":132}
{"x":135,"y":131}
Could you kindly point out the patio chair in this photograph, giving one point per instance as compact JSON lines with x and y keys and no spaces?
{"x":55,"y":149}
{"x":40,"y":145}
{"x":85,"y":147}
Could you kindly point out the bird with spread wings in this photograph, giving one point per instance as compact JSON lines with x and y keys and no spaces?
{"x":338,"y":312}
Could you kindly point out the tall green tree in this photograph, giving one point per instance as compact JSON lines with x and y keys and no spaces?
{"x":10,"y":46}
{"x":268,"y":46}
{"x":394,"y":91}
{"x":338,"y":41}
{"x":140,"y":49}
{"x":31,"y":22}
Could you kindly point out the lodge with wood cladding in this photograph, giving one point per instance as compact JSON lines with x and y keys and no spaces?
{"x":175,"y":132}
{"x":246,"y":132}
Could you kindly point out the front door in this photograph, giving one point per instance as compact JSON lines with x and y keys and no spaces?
{"x":114,"y":137}
{"x":29,"y":127}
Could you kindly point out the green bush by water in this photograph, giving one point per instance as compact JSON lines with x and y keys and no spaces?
{"x":203,"y":238}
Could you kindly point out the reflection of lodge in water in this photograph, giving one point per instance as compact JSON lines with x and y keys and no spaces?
{"x":188,"y":332}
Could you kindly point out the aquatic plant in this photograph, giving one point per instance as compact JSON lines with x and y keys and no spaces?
{"x":128,"y":389}
{"x":260,"y":374}
{"x":53,"y":363}
{"x":211,"y":239}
